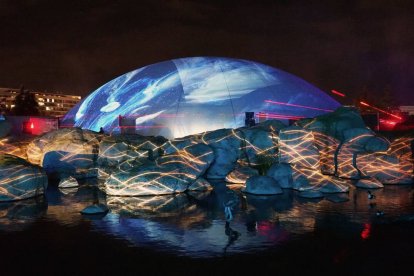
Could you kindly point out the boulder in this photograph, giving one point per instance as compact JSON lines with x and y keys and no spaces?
{"x":335,"y":123}
{"x":271,"y":126}
{"x":305,"y":179}
{"x":66,"y":152}
{"x":327,"y":149}
{"x":369,"y":183}
{"x":20,"y":179}
{"x":282,"y":173}
{"x":226,"y":145}
{"x":95,"y":209}
{"x":200,"y":184}
{"x":262,"y":185}
{"x":383,"y":167}
{"x":257,"y":143}
{"x":171,"y":173}
{"x":68,"y":182}
{"x":297,"y":146}
{"x":240,"y":174}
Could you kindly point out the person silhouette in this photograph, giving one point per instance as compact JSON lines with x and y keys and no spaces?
{"x":101,"y":130}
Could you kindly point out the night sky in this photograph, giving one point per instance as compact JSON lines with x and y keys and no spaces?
{"x":76,"y":46}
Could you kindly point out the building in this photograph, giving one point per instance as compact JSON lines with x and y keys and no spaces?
{"x":185,"y":96}
{"x":50,"y":104}
{"x":407,"y":109}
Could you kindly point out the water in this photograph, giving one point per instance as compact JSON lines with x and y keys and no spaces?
{"x":187,"y":233}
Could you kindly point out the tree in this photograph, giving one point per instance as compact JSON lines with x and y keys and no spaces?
{"x":25,"y":103}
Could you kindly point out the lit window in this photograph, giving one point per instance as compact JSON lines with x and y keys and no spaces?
{"x":47,"y":99}
{"x":47,"y":108}
{"x":41,"y":104}
{"x":53,"y":100}
{"x":12,"y":105}
{"x":41,"y":99}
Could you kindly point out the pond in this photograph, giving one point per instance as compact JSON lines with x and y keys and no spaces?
{"x":188,"y":233}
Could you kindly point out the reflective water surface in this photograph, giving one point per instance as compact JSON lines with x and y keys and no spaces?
{"x":193,"y":224}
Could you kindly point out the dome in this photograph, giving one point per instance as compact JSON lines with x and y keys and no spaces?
{"x":185,"y":96}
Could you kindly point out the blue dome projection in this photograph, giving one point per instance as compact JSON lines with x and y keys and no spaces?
{"x":185,"y":96}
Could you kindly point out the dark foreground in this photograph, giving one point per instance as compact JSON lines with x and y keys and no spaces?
{"x":323,"y":237}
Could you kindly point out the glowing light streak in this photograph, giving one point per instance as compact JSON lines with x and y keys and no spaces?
{"x":380,"y":110}
{"x":298,"y":105}
{"x":338,"y":93}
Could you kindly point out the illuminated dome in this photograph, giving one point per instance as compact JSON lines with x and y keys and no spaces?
{"x":190,"y":95}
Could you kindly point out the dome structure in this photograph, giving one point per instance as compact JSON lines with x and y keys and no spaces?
{"x":185,"y":96}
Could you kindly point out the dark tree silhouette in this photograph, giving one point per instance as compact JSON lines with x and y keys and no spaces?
{"x":25,"y":103}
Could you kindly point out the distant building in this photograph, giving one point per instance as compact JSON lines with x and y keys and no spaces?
{"x":408,"y":109}
{"x":50,"y":104}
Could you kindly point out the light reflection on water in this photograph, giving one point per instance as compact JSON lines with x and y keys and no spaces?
{"x":194,"y":224}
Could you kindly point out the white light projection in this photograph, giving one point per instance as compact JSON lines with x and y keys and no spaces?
{"x":191,"y":95}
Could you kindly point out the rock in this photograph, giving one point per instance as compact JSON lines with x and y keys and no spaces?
{"x":335,"y":123}
{"x":311,"y":194}
{"x":95,"y":209}
{"x":305,"y":179}
{"x":14,"y":146}
{"x":383,"y":167}
{"x":226,"y":145}
{"x":20,"y":179}
{"x":297,"y":146}
{"x":257,"y":143}
{"x":327,"y":148}
{"x":172,"y":173}
{"x":113,"y":152}
{"x":282,"y":173}
{"x":370,"y":183}
{"x":180,"y":143}
{"x":377,"y":144}
{"x":262,"y":185}
{"x":66,"y":152}
{"x":68,"y":182}
{"x":240,"y":174}
{"x":271,"y":126}
{"x":200,"y":184}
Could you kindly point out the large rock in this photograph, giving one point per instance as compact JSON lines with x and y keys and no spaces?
{"x":114,"y":150}
{"x":200,"y":184}
{"x":66,"y":152}
{"x":282,"y":173}
{"x":240,"y":174}
{"x":369,"y":183}
{"x":297,"y":146}
{"x":172,"y":173}
{"x":305,"y":179}
{"x":226,"y":145}
{"x":68,"y":182}
{"x":335,"y":123}
{"x":383,"y":167}
{"x":20,"y":179}
{"x":327,"y":146}
{"x":262,"y":185}
{"x":257,"y":144}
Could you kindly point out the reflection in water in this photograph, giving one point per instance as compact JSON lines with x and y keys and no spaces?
{"x":194,"y":224}
{"x":18,"y":215}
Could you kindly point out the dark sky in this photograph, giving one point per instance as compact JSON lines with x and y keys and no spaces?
{"x":75,"y":46}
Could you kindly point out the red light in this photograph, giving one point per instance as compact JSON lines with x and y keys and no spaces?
{"x":338,"y":93}
{"x":297,"y":105}
{"x":366,"y":231}
{"x":32,"y":125}
{"x":380,"y":110}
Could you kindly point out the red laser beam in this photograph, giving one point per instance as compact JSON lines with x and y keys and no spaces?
{"x":297,"y":105}
{"x":380,"y":110}
{"x":338,"y":93}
